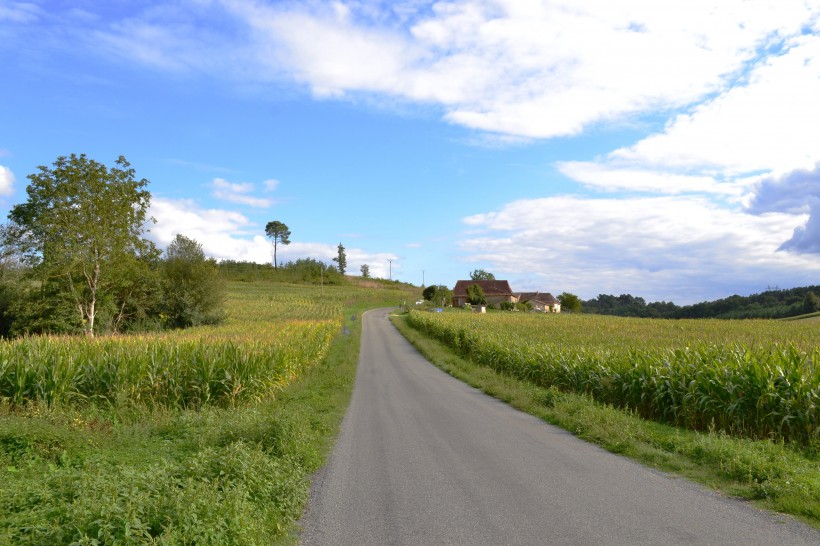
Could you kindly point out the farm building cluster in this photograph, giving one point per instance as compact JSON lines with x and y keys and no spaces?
{"x":499,"y":292}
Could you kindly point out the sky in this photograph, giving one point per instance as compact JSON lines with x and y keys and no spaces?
{"x":670,"y":150}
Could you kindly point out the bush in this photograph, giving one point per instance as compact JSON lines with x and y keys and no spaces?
{"x":194,"y":291}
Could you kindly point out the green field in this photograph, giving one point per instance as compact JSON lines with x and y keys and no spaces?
{"x":199,"y":436}
{"x":754,"y":378}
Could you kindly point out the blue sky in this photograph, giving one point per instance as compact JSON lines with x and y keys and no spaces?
{"x":667,"y":150}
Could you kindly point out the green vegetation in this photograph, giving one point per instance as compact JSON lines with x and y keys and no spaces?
{"x":481,"y":275}
{"x":438,"y":294}
{"x":74,"y":259}
{"x":199,"y":436}
{"x":775,"y":476}
{"x":279,"y":234}
{"x":770,"y":304}
{"x":750,"y":378}
{"x":303,"y":270}
{"x":341,"y":259}
{"x":82,"y":231}
{"x":475,"y":295}
{"x":570,"y":302}
{"x":193,"y":290}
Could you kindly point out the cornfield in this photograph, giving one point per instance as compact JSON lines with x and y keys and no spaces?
{"x":271,"y":336}
{"x":758,"y":379}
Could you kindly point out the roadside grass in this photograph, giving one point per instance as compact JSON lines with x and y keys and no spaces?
{"x":773,"y":476}
{"x":127,"y":472}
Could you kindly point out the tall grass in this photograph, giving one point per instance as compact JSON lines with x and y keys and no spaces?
{"x":181,"y":370}
{"x":272,"y":335}
{"x":759,"y":379}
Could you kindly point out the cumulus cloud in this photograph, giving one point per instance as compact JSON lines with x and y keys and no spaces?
{"x":768,"y":123}
{"x":684,"y":247}
{"x":238,"y":193}
{"x":794,"y":193}
{"x":6,"y":181}
{"x":525,"y":69}
{"x":223,"y":234}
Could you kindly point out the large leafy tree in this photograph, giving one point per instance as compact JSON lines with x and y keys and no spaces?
{"x":279,"y":234}
{"x":82,"y":226}
{"x":570,"y":302}
{"x":481,"y":275}
{"x":437,"y":293}
{"x":475,"y":295}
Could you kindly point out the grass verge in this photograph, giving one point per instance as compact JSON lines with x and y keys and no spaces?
{"x":773,"y":476}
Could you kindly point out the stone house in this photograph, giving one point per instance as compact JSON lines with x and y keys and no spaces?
{"x":540,"y":301}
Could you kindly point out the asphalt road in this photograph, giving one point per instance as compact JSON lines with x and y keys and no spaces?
{"x":425,"y":459}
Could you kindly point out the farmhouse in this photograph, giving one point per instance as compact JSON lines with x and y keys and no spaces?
{"x":495,"y":291}
{"x":540,"y":301}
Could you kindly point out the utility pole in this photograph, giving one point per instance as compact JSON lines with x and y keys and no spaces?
{"x":422,"y":278}
{"x":391,"y":267}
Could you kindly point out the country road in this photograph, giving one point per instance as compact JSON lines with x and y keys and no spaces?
{"x":425,"y":459}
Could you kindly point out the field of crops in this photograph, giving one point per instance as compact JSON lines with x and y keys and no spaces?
{"x":201,"y":436}
{"x":265,"y":344}
{"x":759,"y":379}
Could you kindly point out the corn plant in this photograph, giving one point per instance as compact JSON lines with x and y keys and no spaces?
{"x":751,"y":378}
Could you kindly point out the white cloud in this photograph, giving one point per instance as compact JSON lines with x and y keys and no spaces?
{"x":6,"y":181}
{"x":683,"y":248}
{"x":271,"y":184}
{"x":770,"y":123}
{"x":611,"y":178}
{"x":237,"y":193}
{"x":378,"y":262}
{"x":223,"y":234}
{"x":526,"y":69}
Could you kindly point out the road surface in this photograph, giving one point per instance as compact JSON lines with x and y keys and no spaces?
{"x":424,"y":459}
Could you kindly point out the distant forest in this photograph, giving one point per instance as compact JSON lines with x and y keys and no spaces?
{"x":769,"y":304}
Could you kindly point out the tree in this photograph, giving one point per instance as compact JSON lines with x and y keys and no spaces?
{"x":811,"y":302}
{"x":365,"y":271}
{"x":437,"y":293}
{"x":481,"y":275}
{"x":570,"y":302}
{"x":279,"y":234}
{"x":81,"y":226}
{"x":475,"y":295}
{"x":341,"y":259}
{"x":194,"y":291}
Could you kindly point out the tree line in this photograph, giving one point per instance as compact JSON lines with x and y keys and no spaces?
{"x":770,"y":304}
{"x":74,"y":258}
